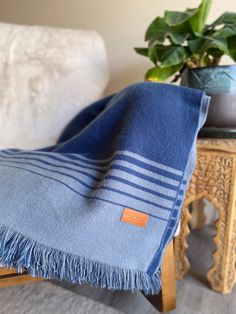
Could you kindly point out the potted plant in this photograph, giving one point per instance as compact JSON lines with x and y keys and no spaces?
{"x":182,"y":44}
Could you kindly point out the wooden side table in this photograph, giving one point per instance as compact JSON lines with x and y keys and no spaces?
{"x":215,"y":180}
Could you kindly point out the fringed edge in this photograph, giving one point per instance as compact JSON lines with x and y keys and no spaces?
{"x":18,"y":251}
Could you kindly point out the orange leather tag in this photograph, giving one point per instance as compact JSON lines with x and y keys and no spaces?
{"x":134,"y":217}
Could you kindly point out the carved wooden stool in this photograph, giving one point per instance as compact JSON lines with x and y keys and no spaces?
{"x":215,"y":180}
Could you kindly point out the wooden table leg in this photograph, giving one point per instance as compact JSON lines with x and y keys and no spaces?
{"x":165,"y":301}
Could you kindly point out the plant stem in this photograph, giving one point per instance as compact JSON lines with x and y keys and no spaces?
{"x":202,"y":60}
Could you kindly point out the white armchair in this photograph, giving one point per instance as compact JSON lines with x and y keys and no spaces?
{"x":47,"y":75}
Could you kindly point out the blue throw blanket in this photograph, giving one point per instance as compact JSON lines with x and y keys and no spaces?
{"x":102,"y":205}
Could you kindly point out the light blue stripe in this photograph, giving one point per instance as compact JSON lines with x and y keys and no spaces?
{"x":81,"y":179}
{"x":147,"y":184}
{"x":135,"y":204}
{"x":136,"y":192}
{"x":125,"y":153}
{"x":164,"y":215}
{"x":55,"y":163}
{"x":179,"y":197}
{"x":53,"y":156}
{"x":97,"y":176}
{"x":118,"y":186}
{"x":146,"y":172}
{"x":127,"y":164}
{"x":135,"y":156}
{"x":152,"y":163}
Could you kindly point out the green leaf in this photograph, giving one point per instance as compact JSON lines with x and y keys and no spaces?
{"x":142,"y":51}
{"x":195,"y":18}
{"x":166,"y":55}
{"x":152,"y":54}
{"x":162,"y":50}
{"x":232,"y":42}
{"x":225,"y":31}
{"x":215,"y":52}
{"x":181,"y":38}
{"x":232,"y":47}
{"x":198,"y":20}
{"x":157,"y":25}
{"x":158,"y":74}
{"x":201,"y":45}
{"x":225,"y":18}
{"x":232,"y":54}
{"x":173,"y":18}
{"x":173,"y":55}
{"x":159,"y":30}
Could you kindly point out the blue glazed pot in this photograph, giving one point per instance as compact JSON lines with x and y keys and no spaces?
{"x":219,"y":82}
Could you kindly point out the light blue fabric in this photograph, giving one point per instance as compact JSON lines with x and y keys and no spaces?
{"x":61,"y":207}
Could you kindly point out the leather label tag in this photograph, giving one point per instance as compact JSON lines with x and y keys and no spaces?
{"x":134,"y":217}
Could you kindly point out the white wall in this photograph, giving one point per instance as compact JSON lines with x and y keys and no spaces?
{"x":122,"y":24}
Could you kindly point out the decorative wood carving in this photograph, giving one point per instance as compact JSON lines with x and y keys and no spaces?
{"x":214,"y":179}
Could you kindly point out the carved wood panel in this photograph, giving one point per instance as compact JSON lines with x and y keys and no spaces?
{"x":214,"y":179}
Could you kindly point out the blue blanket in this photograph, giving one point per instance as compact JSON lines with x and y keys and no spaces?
{"x":102,"y":205}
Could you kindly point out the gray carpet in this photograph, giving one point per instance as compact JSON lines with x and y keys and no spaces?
{"x":47,"y":298}
{"x":193,"y":293}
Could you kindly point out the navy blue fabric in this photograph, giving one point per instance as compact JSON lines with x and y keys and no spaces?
{"x":157,"y":109}
{"x":61,"y":206}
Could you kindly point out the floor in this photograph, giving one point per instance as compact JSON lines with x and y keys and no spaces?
{"x":193,"y":293}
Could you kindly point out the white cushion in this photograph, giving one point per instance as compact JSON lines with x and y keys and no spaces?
{"x":47,"y":75}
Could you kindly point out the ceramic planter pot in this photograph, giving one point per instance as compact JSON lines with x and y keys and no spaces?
{"x":219,"y":82}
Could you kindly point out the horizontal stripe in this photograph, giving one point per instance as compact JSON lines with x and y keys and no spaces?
{"x":144,"y":184}
{"x":110,"y":196}
{"x":126,"y":164}
{"x":126,"y":171}
{"x":171,"y":192}
{"x":152,"y":163}
{"x":56,"y":157}
{"x":124,"y":204}
{"x":117,"y":153}
{"x":26,"y":165}
{"x":117,"y":187}
{"x":134,"y":192}
{"x":120,"y":158}
{"x":111,"y":178}
{"x":148,"y":173}
{"x":152,"y":177}
{"x":93,"y":173}
{"x":135,"y":203}
{"x":135,"y":156}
